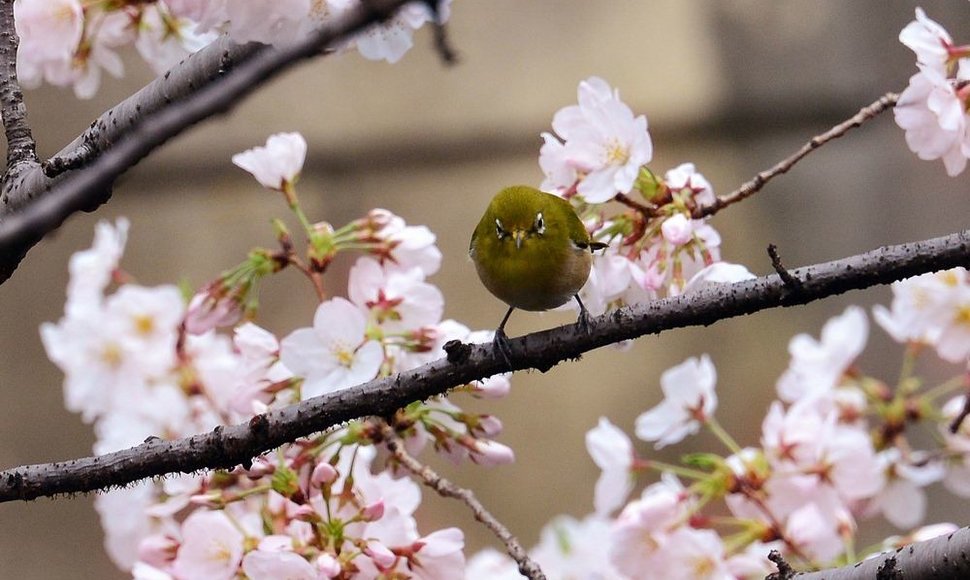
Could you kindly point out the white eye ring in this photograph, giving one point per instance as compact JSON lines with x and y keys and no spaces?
{"x":499,"y":230}
{"x":540,"y":225}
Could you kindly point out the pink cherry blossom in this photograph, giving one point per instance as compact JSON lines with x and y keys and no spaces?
{"x":266,"y":22}
{"x":277,"y":164}
{"x":91,"y":270}
{"x":560,"y":174}
{"x":393,"y":39}
{"x":817,"y":366}
{"x":212,"y":547}
{"x":612,"y":451}
{"x":902,"y":501}
{"x":571,"y":548}
{"x":335,"y":353}
{"x":439,"y":555}
{"x":685,"y":179}
{"x":400,"y":300}
{"x":602,"y":140}
{"x":270,"y":565}
{"x":934,"y":117}
{"x":717,"y":273}
{"x":49,"y":31}
{"x":814,"y":534}
{"x":490,"y":564}
{"x":689,"y":401}
{"x":412,"y":246}
{"x":164,"y":40}
{"x":928,"y":40}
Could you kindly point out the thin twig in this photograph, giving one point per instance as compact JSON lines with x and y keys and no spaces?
{"x":446,"y":488}
{"x":20,"y":141}
{"x":794,"y":284}
{"x":231,"y":445}
{"x":753,"y":186}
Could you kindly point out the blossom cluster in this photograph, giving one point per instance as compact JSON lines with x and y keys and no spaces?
{"x":70,"y":42}
{"x":933,"y":110}
{"x":656,"y":245}
{"x":146,"y":362}
{"x":836,"y":446}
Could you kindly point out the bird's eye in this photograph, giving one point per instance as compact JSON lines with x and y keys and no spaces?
{"x":499,"y":230}
{"x":540,"y":225}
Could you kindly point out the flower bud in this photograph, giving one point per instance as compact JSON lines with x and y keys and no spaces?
{"x":323,"y":474}
{"x":374,"y":511}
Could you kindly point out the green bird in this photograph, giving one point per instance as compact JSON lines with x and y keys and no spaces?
{"x":532,"y":252}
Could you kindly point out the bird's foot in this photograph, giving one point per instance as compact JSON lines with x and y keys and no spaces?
{"x":585,"y":321}
{"x":502,"y":346}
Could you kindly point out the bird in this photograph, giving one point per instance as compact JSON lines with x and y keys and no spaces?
{"x":532,"y":252}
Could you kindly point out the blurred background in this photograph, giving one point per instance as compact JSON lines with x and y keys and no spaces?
{"x":731,"y":86}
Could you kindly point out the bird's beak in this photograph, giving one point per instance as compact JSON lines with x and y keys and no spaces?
{"x":519,"y":235}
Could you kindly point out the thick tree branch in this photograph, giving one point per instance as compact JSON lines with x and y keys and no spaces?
{"x":755,"y":185}
{"x":20,"y":142}
{"x":941,"y":557}
{"x":235,"y":444}
{"x":45,"y":202}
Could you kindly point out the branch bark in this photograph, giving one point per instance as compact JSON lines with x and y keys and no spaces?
{"x":941,"y":557}
{"x":203,"y":85}
{"x":21,"y":150}
{"x":235,"y":444}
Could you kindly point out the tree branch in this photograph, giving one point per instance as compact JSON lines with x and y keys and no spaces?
{"x":446,"y":488}
{"x":941,"y":557}
{"x":755,"y":185}
{"x":44,"y":203}
{"x":20,"y":143}
{"x":235,"y":444}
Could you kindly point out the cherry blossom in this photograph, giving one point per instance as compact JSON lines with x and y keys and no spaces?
{"x":212,"y":547}
{"x":276,"y":165}
{"x":334,"y":353}
{"x":817,"y":366}
{"x":573,"y":548}
{"x":930,"y":41}
{"x":602,"y":141}
{"x":689,"y":401}
{"x":612,"y":451}
{"x":717,"y":273}
{"x":266,"y":22}
{"x":391,"y":40}
{"x":398,"y":300}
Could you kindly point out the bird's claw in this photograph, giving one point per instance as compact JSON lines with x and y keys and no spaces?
{"x":502,"y":346}
{"x":585,"y":321}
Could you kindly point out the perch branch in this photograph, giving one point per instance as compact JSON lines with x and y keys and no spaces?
{"x":231,"y":445}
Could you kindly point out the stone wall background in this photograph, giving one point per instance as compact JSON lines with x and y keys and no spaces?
{"x":731,"y":86}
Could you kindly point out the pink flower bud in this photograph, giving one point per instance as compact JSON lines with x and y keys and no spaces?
{"x":211,"y":308}
{"x":490,"y":453}
{"x":328,"y":566}
{"x":495,"y":387}
{"x":490,"y":425}
{"x":383,"y":557}
{"x":374,"y":511}
{"x":323,"y":473}
{"x":303,"y":513}
{"x":677,"y":229}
